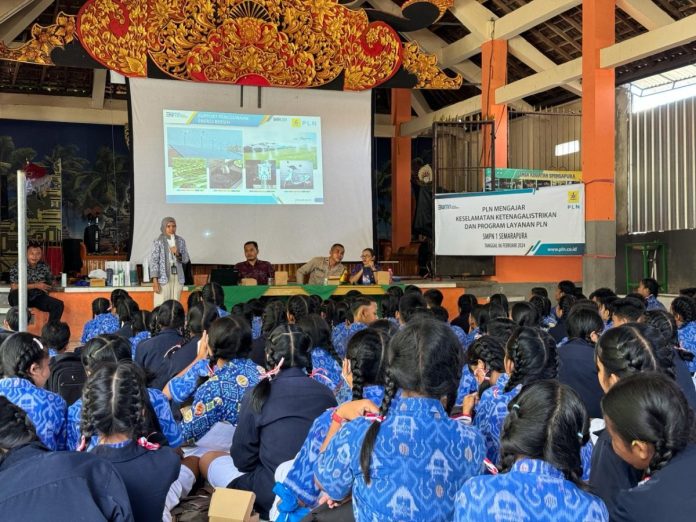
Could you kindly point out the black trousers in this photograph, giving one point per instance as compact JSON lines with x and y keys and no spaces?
{"x":40,"y":300}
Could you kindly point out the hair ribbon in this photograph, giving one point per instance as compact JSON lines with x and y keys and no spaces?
{"x":150,"y":446}
{"x":273,"y":372}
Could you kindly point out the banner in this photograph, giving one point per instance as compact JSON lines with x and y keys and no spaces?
{"x":530,"y":178}
{"x":549,"y":221}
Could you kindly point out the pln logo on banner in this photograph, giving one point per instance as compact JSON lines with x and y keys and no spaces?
{"x":296,"y":123}
{"x":573,"y":199}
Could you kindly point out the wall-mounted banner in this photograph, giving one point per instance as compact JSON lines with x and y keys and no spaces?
{"x":549,"y":221}
{"x":530,"y":178}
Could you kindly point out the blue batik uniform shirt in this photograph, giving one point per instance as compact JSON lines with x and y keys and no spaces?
{"x":467,"y":384}
{"x":341,"y":334}
{"x":490,"y":416}
{"x":532,"y":490}
{"x":421,"y":458}
{"x":687,"y":341}
{"x":102,"y":324}
{"x":300,"y":478}
{"x":652,"y":303}
{"x":217,"y":399}
{"x":46,"y":410}
{"x":160,"y":404}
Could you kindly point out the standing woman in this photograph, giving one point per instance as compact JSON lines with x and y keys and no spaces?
{"x":166,"y":263}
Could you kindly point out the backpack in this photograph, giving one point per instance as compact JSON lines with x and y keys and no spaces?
{"x":67,"y":377}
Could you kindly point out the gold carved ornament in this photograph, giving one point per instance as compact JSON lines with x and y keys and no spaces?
{"x":44,"y":40}
{"x":424,"y":67}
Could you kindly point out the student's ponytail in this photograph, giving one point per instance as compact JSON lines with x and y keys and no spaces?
{"x":547,"y":421}
{"x":287,"y":347}
{"x":423,"y":357}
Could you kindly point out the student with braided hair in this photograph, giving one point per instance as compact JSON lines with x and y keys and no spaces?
{"x":127,"y":311}
{"x":274,"y":419}
{"x":540,"y":447}
{"x":297,"y":307}
{"x":410,"y":462}
{"x":25,"y":370}
{"x":621,"y":352}
{"x":530,"y":356}
{"x":150,"y":354}
{"x":114,"y":410}
{"x":542,"y":305}
{"x":112,"y":348}
{"x":485,"y":361}
{"x":559,"y":332}
{"x":363,"y":371}
{"x":666,"y":325}
{"x":38,"y":484}
{"x":653,"y":430}
{"x":684,"y":311}
{"x":326,"y":363}
{"x":273,"y":316}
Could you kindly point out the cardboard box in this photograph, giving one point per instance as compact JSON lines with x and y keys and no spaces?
{"x":281,"y":278}
{"x":382,"y":277}
{"x":248,"y":281}
{"x":97,"y":282}
{"x":232,"y":505}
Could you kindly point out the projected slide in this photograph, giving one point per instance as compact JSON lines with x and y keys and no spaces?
{"x":250,"y":159}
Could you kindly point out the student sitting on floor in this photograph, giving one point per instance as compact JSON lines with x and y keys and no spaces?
{"x":38,"y":484}
{"x":409,"y":463}
{"x":363,"y":311}
{"x":577,"y":358}
{"x":152,"y":354}
{"x":684,"y":311}
{"x":485,"y":363}
{"x":621,"y":352}
{"x":126,"y":311}
{"x":25,"y":369}
{"x":226,"y":372}
{"x":198,"y":320}
{"x":559,"y":332}
{"x":530,"y":355}
{"x":626,"y":310}
{"x":540,"y":453}
{"x":114,"y":349}
{"x":103,"y":320}
{"x":115,"y":402}
{"x":652,"y":429}
{"x":363,"y":369}
{"x":55,"y":336}
{"x":326,"y":363}
{"x":274,"y":419}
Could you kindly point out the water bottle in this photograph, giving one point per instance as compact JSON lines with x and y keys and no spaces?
{"x":109,"y":277}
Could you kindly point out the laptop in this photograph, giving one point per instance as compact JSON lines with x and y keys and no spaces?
{"x":225,"y":276}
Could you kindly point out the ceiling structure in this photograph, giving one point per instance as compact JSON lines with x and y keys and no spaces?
{"x":544,"y":51}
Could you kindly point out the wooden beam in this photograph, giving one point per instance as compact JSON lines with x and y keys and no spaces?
{"x":666,"y":37}
{"x":69,"y":109}
{"x":458,"y":110}
{"x":646,"y":12}
{"x":556,"y":76}
{"x":419,"y":103}
{"x":20,"y":19}
{"x":530,"y":15}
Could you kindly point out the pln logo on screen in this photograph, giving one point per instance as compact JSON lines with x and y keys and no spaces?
{"x":296,"y":123}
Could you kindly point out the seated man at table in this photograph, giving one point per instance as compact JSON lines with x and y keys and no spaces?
{"x":322,"y":268}
{"x":253,"y":267}
{"x":39,"y":282}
